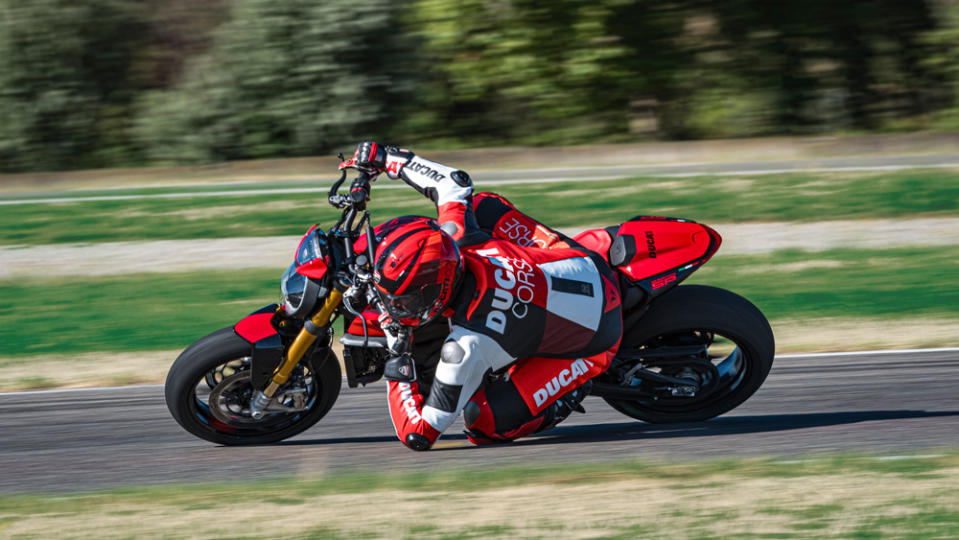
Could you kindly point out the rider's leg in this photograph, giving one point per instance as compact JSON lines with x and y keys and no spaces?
{"x":406,"y":405}
{"x":539,"y":393}
{"x":464,"y":359}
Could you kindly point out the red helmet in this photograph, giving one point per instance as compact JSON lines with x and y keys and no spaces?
{"x":417,"y":269}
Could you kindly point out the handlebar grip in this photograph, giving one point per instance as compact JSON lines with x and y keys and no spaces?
{"x":360,"y":190}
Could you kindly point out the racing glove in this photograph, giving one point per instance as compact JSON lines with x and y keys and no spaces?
{"x":376,"y":158}
{"x":400,"y":369}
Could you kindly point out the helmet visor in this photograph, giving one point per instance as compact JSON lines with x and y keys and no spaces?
{"x":411,"y":305}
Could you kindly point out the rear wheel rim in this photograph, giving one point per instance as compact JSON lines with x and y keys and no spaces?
{"x":718,"y":372}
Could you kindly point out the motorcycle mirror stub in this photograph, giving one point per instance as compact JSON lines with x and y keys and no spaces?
{"x":315,"y":269}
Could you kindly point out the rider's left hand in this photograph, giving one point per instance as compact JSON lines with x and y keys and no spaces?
{"x":369,"y":157}
{"x":375,"y":158}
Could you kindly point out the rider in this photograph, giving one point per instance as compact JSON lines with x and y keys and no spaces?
{"x":551,"y":316}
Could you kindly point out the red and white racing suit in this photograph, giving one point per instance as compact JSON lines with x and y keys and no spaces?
{"x":530,"y":299}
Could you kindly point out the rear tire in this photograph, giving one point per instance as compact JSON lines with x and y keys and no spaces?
{"x":698,"y":314}
{"x":203,"y":363}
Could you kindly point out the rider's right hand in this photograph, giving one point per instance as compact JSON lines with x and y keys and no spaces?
{"x":400,"y":369}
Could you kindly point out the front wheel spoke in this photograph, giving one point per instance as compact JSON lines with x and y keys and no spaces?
{"x":225,"y":393}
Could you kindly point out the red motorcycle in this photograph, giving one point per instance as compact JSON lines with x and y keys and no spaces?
{"x":688,"y":353}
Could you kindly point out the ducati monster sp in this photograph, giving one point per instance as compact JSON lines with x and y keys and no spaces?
{"x":688,"y":353}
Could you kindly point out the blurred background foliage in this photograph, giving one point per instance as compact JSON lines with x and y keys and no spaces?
{"x":113,"y":83}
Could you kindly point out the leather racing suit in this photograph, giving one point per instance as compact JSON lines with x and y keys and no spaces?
{"x":532,"y":302}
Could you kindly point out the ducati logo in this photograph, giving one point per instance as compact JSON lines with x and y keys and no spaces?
{"x":561,"y":380}
{"x":651,"y":244}
{"x":426,"y":171}
{"x":409,"y":404}
{"x":514,"y":279}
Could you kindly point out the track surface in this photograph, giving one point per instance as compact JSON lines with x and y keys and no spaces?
{"x":83,"y":440}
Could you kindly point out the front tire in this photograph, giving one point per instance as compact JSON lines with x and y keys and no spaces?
{"x":206,"y":386}
{"x":691,"y":317}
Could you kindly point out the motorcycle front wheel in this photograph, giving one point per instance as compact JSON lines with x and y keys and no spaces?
{"x":208,"y":392}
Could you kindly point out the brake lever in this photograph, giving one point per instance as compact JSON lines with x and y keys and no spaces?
{"x":339,"y":201}
{"x":332,"y":195}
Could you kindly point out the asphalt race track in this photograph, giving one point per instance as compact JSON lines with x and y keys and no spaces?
{"x":887,"y":404}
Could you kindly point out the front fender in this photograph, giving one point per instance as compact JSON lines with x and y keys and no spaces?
{"x":266,"y":347}
{"x":257,"y":325}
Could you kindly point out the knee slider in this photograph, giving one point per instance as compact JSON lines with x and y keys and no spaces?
{"x":417,"y":442}
{"x":452,"y":353}
{"x":471,"y":413}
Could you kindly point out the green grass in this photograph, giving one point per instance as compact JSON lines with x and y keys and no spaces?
{"x":786,"y":197}
{"x":844,"y":496}
{"x":134,"y":312}
{"x":169,"y":311}
{"x":905,"y":282}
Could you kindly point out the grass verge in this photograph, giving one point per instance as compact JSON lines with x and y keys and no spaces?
{"x":786,"y":197}
{"x":887,"y":283}
{"x":128,"y":329}
{"x":168,"y":311}
{"x":824,"y":497}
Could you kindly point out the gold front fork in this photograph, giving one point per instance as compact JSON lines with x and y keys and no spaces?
{"x":303,"y":342}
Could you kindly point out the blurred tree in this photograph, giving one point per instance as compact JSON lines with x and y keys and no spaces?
{"x":514,"y":71}
{"x":67,"y":81}
{"x":863,"y":54}
{"x":577,"y":71}
{"x":290,"y":78}
{"x":121,"y":82}
{"x":179,"y":30}
{"x":657,"y":66}
{"x":943,"y":61}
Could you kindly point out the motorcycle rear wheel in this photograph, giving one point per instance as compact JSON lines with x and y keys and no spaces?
{"x":207,"y":387}
{"x":737,"y":353}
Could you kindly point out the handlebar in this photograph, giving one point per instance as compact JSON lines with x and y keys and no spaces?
{"x":358,"y":195}
{"x":353,"y":205}
{"x":359,"y":190}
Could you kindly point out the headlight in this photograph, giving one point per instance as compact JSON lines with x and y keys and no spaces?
{"x":299,"y":292}
{"x":307,"y":278}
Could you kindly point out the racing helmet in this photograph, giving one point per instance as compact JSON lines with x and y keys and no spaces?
{"x":417,"y":271}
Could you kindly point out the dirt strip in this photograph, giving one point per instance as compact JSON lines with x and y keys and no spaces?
{"x":116,"y":258}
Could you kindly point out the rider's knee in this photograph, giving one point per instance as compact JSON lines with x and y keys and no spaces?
{"x":452,"y":353}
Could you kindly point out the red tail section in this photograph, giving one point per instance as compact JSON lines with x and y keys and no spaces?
{"x":655,"y":253}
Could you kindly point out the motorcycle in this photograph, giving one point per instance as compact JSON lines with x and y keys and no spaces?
{"x":688,"y":353}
